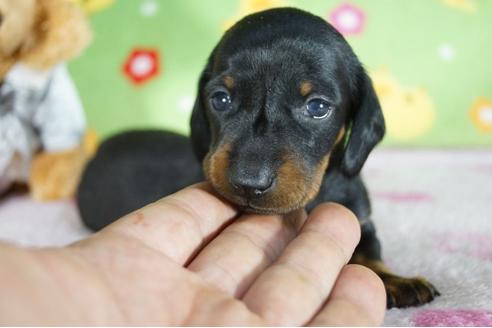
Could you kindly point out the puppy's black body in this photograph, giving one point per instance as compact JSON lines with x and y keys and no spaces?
{"x":285,"y":118}
{"x":131,"y":170}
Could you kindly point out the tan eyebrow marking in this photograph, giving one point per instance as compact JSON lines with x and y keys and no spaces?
{"x":229,"y":82}
{"x":305,"y":88}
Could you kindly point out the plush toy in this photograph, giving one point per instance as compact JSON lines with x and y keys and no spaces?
{"x":42,"y":123}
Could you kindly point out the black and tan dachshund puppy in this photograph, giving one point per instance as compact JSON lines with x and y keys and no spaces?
{"x":285,"y":118}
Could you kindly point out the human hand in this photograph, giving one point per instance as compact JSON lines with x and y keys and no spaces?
{"x":187,"y":260}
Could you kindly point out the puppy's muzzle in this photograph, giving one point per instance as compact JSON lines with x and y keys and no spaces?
{"x":252,"y":182}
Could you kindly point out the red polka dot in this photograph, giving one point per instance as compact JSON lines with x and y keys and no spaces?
{"x":141,"y":65}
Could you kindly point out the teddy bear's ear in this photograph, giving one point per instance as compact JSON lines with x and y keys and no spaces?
{"x":16,"y":23}
{"x":61,"y":32}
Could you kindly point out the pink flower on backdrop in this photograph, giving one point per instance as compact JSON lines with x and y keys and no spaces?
{"x":348,"y":19}
{"x":475,"y":244}
{"x":453,"y":318}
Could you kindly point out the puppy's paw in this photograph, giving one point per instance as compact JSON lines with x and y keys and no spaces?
{"x":405,"y":292}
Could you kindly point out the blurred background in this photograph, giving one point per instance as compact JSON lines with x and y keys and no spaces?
{"x":430,"y":61}
{"x":431,"y":64}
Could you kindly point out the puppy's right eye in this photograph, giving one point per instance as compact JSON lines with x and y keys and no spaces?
{"x":318,"y":108}
{"x":221,"y":101}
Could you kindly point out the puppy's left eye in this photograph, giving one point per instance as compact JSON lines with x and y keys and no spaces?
{"x":318,"y":108}
{"x":221,"y":101}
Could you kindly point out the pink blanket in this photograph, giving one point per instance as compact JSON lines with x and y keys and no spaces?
{"x":433,"y":210}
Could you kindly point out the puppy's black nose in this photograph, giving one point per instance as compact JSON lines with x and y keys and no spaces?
{"x":252,"y":186}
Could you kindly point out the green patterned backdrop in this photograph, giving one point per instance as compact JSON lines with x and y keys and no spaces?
{"x":430,"y":60}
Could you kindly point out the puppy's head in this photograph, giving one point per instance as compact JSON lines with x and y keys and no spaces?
{"x":282,"y":98}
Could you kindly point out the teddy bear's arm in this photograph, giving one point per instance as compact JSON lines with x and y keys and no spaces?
{"x":60,"y":118}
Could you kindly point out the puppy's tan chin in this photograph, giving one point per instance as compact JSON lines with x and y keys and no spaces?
{"x":270,"y":211}
{"x":269,"y":205}
{"x":294,"y":188}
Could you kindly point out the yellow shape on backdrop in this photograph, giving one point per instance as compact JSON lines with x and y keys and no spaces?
{"x":92,"y":6}
{"x":247,"y":7}
{"x":470,"y":6}
{"x":409,"y":111}
{"x":481,"y":115}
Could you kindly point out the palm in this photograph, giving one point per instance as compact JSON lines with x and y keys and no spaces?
{"x":186,"y":260}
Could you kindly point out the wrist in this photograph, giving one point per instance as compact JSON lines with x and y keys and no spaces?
{"x":49,"y":287}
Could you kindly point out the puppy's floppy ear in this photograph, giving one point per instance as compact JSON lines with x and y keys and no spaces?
{"x":200,"y":127}
{"x":367,"y":128}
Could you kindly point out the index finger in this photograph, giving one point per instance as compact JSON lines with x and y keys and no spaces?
{"x":177,"y":225}
{"x":293,"y":289}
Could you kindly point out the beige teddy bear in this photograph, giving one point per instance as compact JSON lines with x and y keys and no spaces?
{"x":42,"y":124}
